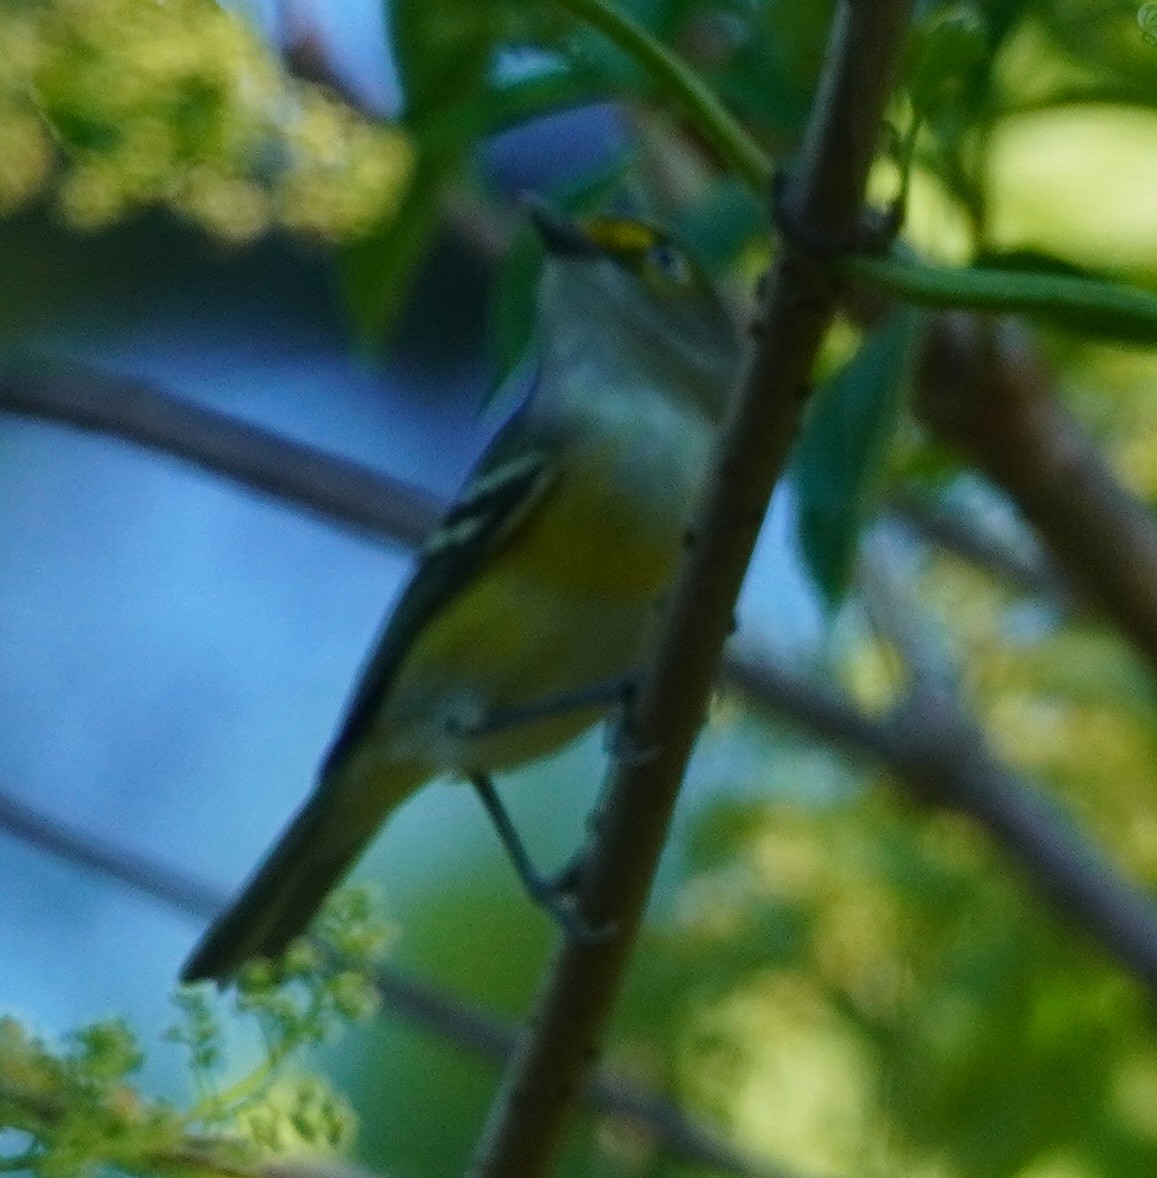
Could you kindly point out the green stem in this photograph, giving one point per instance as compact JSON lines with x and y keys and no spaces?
{"x":730,"y":138}
{"x":212,"y":1107}
{"x":244,"y":1091}
{"x":1094,"y":305}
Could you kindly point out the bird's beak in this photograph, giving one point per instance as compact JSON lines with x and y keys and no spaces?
{"x":559,"y":234}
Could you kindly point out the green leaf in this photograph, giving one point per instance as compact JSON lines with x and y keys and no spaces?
{"x":510,"y":103}
{"x":1092,"y":320}
{"x":376,"y":270}
{"x":840,"y":457}
{"x":641,"y":53}
{"x":443,"y":50}
{"x":446,"y":51}
{"x":947,"y":54}
{"x":1059,"y":293}
{"x":724,"y":223}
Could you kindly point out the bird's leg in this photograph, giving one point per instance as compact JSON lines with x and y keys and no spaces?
{"x":550,"y":894}
{"x":500,"y":719}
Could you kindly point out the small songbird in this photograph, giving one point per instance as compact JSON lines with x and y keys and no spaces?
{"x":534,"y":604}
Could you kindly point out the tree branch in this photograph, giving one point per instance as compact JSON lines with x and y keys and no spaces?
{"x":528,"y":1121}
{"x":1027,"y":570}
{"x":985,"y":390}
{"x":340,"y":491}
{"x":142,"y":873}
{"x":348,"y":494}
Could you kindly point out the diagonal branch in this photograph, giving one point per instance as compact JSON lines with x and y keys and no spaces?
{"x":341,"y":491}
{"x":1026,"y":568}
{"x":932,"y":745}
{"x":529,"y":1119}
{"x":985,"y":390}
{"x":102,"y":857}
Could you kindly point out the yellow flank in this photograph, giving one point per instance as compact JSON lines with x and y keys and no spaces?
{"x":521,"y":634}
{"x":557,"y":562}
{"x":589,"y":539}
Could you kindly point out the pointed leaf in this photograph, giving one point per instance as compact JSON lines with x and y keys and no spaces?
{"x":376,"y":270}
{"x":1106,"y":324}
{"x":840,"y":458}
{"x":443,"y":50}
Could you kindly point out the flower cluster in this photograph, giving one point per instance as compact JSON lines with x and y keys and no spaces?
{"x":68,"y":1109}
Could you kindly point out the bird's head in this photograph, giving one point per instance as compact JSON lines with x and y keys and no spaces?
{"x":625,"y":295}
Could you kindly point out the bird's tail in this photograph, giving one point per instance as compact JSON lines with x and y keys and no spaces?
{"x":320,"y":845}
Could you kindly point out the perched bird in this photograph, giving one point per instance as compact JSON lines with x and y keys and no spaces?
{"x":533,"y":604}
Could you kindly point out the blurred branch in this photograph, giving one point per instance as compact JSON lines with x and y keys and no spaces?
{"x":985,"y":389}
{"x":939,"y":752}
{"x":899,"y":624}
{"x":142,"y":873}
{"x":341,"y":491}
{"x":1046,"y":845}
{"x":1025,"y":569}
{"x":426,"y":1006}
{"x":530,"y":1116}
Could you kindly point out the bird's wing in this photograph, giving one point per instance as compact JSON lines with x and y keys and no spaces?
{"x":504,"y":491}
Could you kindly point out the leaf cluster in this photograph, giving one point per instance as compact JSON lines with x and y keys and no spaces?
{"x":67,"y":1110}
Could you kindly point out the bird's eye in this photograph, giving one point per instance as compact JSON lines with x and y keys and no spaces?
{"x":670,"y":264}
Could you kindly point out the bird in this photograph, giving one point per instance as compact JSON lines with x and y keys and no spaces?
{"x":533,"y":606}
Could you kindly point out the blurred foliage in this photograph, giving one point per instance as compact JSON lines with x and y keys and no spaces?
{"x":842,"y":981}
{"x":115,"y":105}
{"x":75,"y":1107}
{"x":869,"y":985}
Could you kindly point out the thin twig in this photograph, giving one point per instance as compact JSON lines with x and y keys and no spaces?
{"x":904,"y":629}
{"x":1024,"y":567}
{"x":711,"y":117}
{"x":356,"y":497}
{"x":104,"y":857}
